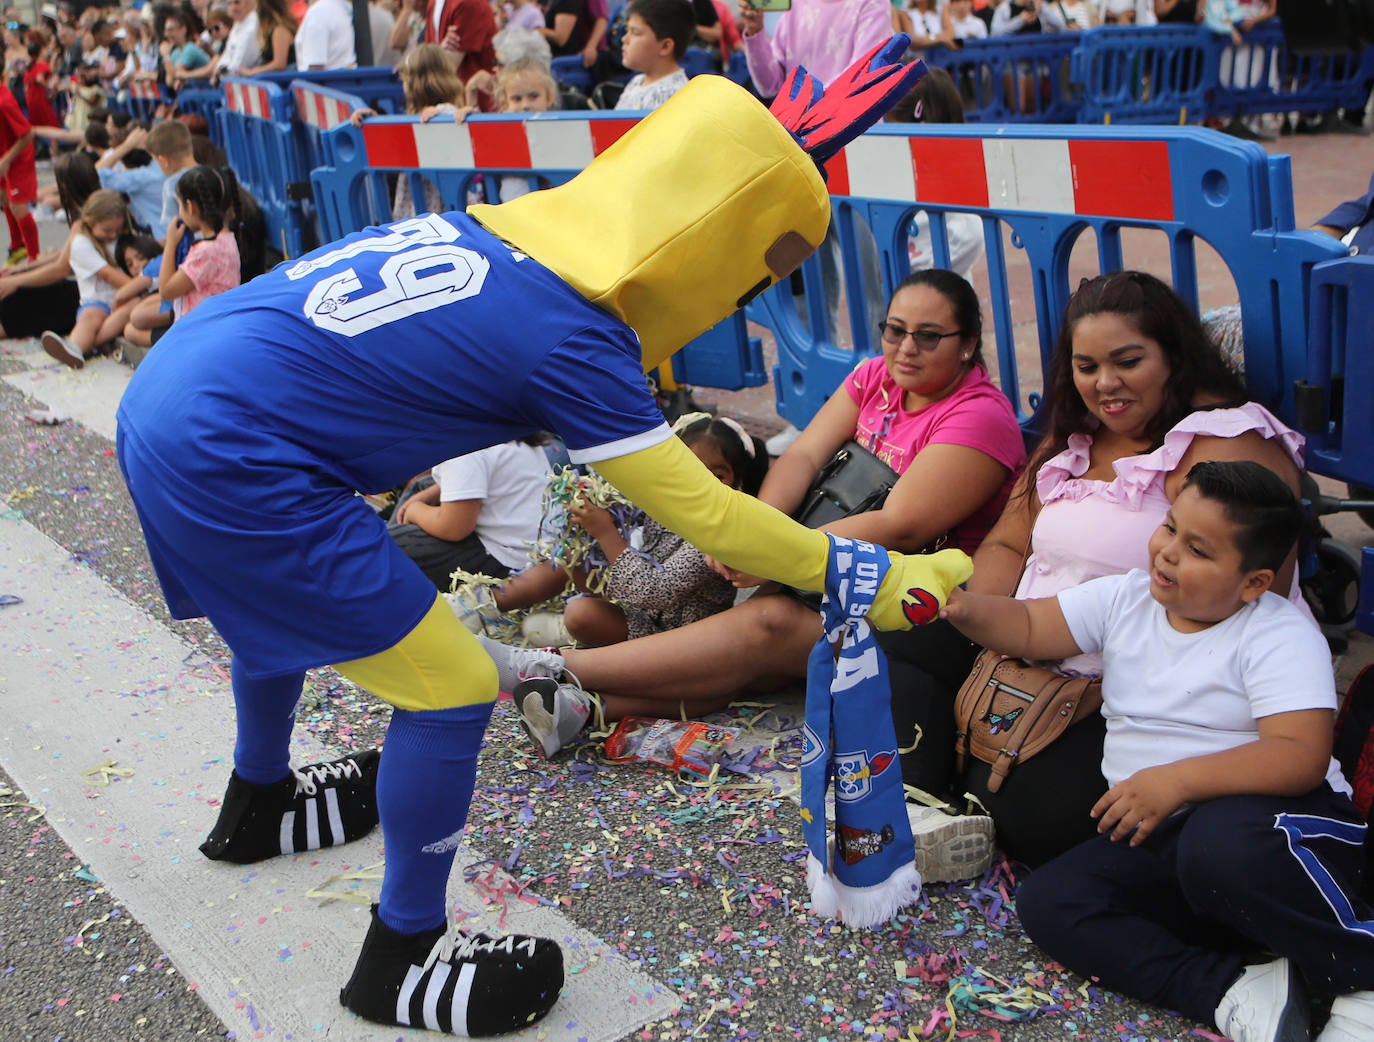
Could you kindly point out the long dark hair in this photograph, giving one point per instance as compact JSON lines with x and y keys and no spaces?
{"x":1196,"y":367}
{"x":76,"y":179}
{"x":214,"y":192}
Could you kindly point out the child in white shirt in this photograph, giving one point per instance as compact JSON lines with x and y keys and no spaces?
{"x":1227,"y":825}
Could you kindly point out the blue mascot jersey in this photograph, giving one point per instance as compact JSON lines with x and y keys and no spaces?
{"x":245,"y":433}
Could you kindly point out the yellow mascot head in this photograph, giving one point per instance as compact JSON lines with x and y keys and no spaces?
{"x":702,"y":205}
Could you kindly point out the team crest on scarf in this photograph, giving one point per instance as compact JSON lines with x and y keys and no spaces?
{"x":854,"y":773}
{"x":868,"y":873}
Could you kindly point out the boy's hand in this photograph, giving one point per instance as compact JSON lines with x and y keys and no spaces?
{"x":1136,"y":806}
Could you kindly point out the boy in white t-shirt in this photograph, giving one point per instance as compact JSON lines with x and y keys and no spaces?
{"x":1228,"y":826}
{"x":657,"y":33}
{"x":481,"y":514}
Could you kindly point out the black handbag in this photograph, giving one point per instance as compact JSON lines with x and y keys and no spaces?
{"x":854,"y":481}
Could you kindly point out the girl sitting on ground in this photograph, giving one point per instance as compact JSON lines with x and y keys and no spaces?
{"x":654,"y":580}
{"x":98,"y":278}
{"x":205,"y":198}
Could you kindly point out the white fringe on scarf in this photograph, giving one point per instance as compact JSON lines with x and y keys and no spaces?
{"x":860,"y":907}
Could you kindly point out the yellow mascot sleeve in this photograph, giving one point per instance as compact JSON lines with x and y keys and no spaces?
{"x":670,"y":484}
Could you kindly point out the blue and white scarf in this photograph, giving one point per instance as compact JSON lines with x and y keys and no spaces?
{"x":869,"y":872}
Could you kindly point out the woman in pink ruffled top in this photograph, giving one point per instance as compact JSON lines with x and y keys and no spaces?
{"x":1137,"y":395}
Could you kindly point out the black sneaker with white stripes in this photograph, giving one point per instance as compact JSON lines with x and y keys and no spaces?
{"x":470,"y":985}
{"x":321,"y":805}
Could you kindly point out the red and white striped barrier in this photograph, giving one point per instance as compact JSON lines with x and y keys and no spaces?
{"x":320,"y":110}
{"x":147,"y":90}
{"x":1129,"y":179}
{"x":248,"y":99}
{"x":556,"y":144}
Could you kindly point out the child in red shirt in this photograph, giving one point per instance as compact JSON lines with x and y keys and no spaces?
{"x":18,"y":176}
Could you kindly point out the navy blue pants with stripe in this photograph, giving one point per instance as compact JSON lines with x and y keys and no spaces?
{"x":1169,"y":921}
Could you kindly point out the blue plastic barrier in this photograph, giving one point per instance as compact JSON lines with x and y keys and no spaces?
{"x":205,"y":102}
{"x":1336,"y":401}
{"x":144,"y":98}
{"x":1262,"y":76}
{"x":1134,"y":74}
{"x":315,"y":109}
{"x":256,"y":125}
{"x":1012,"y":79}
{"x":377,"y":85}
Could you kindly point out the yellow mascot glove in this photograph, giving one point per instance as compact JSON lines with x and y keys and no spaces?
{"x":916,"y":587}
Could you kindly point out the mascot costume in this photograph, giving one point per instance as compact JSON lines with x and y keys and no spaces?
{"x":244,"y":436}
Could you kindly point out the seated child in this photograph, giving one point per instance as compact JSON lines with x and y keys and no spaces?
{"x":141,"y":258}
{"x":654,"y":580}
{"x":656,"y":37}
{"x":90,"y":243}
{"x":206,"y":198}
{"x":480,"y":514}
{"x":1227,"y":826}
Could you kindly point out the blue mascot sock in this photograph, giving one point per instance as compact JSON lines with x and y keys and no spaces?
{"x":266,"y":708}
{"x":424,"y":787}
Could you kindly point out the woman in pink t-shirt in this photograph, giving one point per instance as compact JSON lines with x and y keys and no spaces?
{"x":928,"y":408}
{"x":205,"y":197}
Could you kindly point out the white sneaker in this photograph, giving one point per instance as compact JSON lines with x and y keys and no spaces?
{"x":1352,"y":1019}
{"x":546,"y":629}
{"x":62,"y":349}
{"x":950,"y":846}
{"x":516,"y":664}
{"x":1266,"y":1004}
{"x":552,"y":713}
{"x":475,"y":606}
{"x":779,"y":443}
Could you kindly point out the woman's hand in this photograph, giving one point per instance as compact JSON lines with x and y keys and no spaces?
{"x":1136,"y":807}
{"x":749,"y":18}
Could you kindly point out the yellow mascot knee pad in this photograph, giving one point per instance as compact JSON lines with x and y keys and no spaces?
{"x":437,"y":665}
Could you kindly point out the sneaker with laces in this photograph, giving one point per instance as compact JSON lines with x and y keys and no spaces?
{"x":321,"y":805}
{"x":471,"y":985}
{"x":1352,"y":1018}
{"x":17,"y":256}
{"x":516,"y":664}
{"x":62,"y":349}
{"x":546,"y":629}
{"x":552,"y":713}
{"x":950,"y":847}
{"x":475,"y":606}
{"x":1266,"y":1004}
